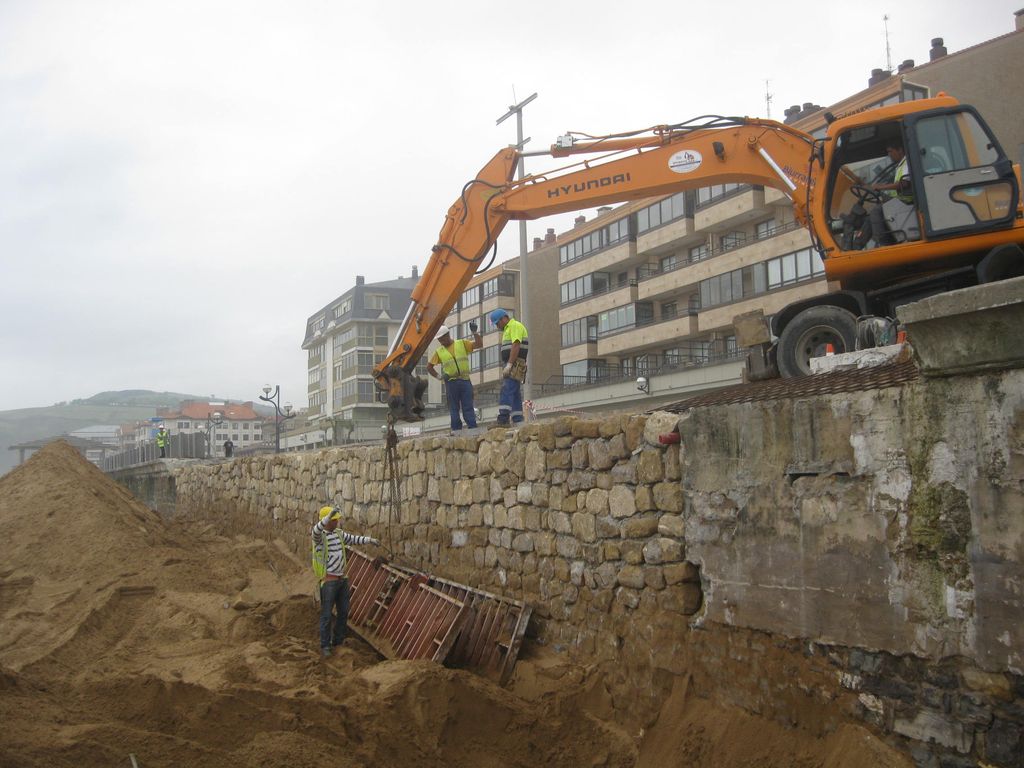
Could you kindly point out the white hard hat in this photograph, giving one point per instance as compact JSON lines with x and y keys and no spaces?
{"x":442,"y":331}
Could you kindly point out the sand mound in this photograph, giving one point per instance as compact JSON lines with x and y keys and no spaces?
{"x":122,"y":635}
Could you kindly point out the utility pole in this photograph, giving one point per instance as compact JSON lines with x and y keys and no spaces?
{"x":767,"y":100}
{"x":517,"y":110}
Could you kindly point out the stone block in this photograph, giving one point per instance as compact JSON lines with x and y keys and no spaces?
{"x":640,"y":526}
{"x":446,"y":490}
{"x":991,"y":684}
{"x":580,"y":452}
{"x":678,"y":573}
{"x":544,"y":543}
{"x":624,"y":473}
{"x":463,"y":494}
{"x":597,"y":502}
{"x":481,"y":489}
{"x":643,"y":497}
{"x":586,"y":428}
{"x":649,"y":466}
{"x":567,"y":546}
{"x":608,"y":528}
{"x":524,"y":493}
{"x":672,"y":526}
{"x":629,"y":597}
{"x":928,"y":726}
{"x":599,"y":456}
{"x":663,"y":550}
{"x":659,"y":423}
{"x":535,"y":463}
{"x":559,"y":459}
{"x":530,"y":518}
{"x":459,"y":539}
{"x":580,"y":480}
{"x":668,"y":497}
{"x":539,"y":496}
{"x":632,"y":551}
{"x":621,"y":501}
{"x":523,"y":543}
{"x":559,"y":522}
{"x":584,"y":526}
{"x":654,"y":577}
{"x":610,"y":550}
{"x":631,"y":576}
{"x":681,"y":598}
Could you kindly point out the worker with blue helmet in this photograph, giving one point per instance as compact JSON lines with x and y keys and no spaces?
{"x":514,"y":349}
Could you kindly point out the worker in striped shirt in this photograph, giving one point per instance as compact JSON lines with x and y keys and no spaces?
{"x":329,"y":564}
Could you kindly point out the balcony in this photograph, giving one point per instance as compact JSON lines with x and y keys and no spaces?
{"x":666,"y":237}
{"x":660,"y":332}
{"x":732,"y":210}
{"x":598,"y":302}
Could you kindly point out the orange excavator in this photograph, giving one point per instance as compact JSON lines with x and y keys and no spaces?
{"x":951,"y":218}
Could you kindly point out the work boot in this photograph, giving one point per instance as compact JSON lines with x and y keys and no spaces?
{"x":325,"y":652}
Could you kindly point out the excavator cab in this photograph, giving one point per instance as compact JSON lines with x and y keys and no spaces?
{"x":957,"y":180}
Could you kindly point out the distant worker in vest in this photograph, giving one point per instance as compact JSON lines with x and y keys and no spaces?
{"x":453,"y":357}
{"x":514,"y":347}
{"x":162,"y":440}
{"x":229,"y":448}
{"x":330,"y":561}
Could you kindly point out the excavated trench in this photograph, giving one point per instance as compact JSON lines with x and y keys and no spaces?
{"x":122,"y":635}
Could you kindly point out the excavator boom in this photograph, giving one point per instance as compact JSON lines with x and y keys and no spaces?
{"x":659,"y":161}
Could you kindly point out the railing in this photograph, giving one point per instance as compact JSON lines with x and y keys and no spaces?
{"x":656,"y":365}
{"x":191,"y":445}
{"x":647,"y":271}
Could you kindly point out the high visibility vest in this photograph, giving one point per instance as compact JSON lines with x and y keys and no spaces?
{"x":514,"y":331}
{"x":901,"y":172}
{"x":161,"y":439}
{"x":319,"y":554}
{"x":454,"y":366}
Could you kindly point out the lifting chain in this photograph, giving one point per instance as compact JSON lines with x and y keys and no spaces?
{"x":390,"y":483}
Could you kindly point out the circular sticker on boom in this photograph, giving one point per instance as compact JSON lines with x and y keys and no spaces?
{"x":685,"y":161}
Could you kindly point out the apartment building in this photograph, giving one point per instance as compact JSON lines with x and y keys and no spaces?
{"x":344,"y":341}
{"x":219,"y":418}
{"x":501,"y":287}
{"x":652,"y":287}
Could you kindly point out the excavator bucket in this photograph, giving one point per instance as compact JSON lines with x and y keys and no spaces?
{"x":405,"y":394}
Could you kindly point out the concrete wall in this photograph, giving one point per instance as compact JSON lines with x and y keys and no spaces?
{"x":813,"y":560}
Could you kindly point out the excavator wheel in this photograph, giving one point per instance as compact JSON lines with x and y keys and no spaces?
{"x":807,"y":334}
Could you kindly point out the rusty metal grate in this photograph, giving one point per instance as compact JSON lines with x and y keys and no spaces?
{"x":878,"y":377}
{"x":406,"y":614}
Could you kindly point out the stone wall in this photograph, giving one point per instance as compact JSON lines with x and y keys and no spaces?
{"x":812,"y":560}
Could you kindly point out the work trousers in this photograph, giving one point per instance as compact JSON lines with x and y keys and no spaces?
{"x":333,"y":594}
{"x":460,"y":398}
{"x":510,"y":402}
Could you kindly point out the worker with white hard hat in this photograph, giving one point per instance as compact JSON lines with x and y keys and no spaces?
{"x":453,"y":357}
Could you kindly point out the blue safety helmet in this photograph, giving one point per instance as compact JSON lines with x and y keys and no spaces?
{"x":497,"y":314}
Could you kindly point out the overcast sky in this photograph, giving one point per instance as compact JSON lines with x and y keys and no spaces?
{"x":183,"y":183}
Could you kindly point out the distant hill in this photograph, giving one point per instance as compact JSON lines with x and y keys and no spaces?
{"x":120,"y":407}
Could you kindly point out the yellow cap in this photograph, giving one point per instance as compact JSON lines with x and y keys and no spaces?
{"x":326,"y":511}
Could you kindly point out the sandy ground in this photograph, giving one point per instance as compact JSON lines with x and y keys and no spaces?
{"x":121,"y":635}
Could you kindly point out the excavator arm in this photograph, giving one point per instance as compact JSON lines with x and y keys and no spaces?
{"x":658,"y":161}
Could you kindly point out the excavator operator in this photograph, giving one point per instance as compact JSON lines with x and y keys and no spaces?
{"x":884,"y":213}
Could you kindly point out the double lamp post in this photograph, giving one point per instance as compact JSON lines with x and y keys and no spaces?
{"x":279,"y":416}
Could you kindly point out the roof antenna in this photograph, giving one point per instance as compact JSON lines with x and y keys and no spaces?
{"x":767,"y":100}
{"x":888,"y":54}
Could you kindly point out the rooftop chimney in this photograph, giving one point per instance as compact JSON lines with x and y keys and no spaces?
{"x":550,"y":236}
{"x":537,"y":243}
{"x":415,"y":271}
{"x":579,"y":220}
{"x":603,"y":210}
{"x":1018,"y":20}
{"x":360,"y":280}
{"x":938,"y":49}
{"x":907,"y":64}
{"x":877,"y":76}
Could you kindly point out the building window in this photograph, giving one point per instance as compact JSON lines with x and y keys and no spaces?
{"x":376,"y":301}
{"x":804,"y":264}
{"x":668,"y":310}
{"x":314,"y":376}
{"x":662,"y":212}
{"x":706,"y":195}
{"x":343,"y":308}
{"x":579,"y":331}
{"x":380,"y":336}
{"x":316,"y":353}
{"x":627,"y":316}
{"x":733,"y":240}
{"x":470,"y":297}
{"x":588,"y":285}
{"x":699,"y":252}
{"x":613,"y":233}
{"x":668,"y":263}
{"x":764,"y":229}
{"x":584,"y":371}
{"x":501,"y":285}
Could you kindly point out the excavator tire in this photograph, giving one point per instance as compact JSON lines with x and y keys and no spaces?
{"x":806,"y":335}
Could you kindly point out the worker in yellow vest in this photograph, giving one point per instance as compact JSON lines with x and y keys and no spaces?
{"x":453,"y":357}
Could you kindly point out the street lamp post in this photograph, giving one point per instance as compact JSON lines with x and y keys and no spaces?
{"x":275,"y":400}
{"x":214,"y":419}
